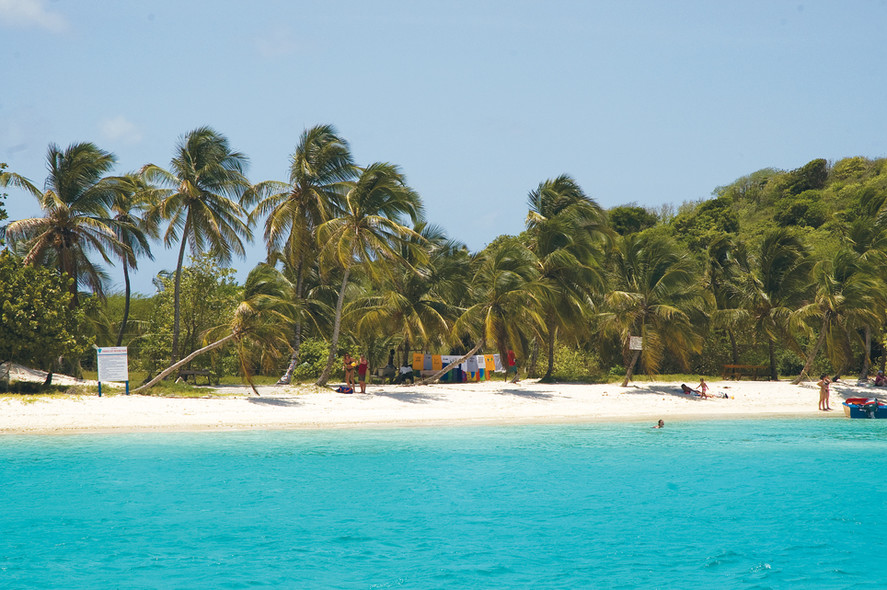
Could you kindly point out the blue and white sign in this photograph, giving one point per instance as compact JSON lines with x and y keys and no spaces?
{"x":113,"y":363}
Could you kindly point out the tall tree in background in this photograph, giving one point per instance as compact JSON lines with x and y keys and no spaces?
{"x":76,"y":216}
{"x":845,"y":298}
{"x":653,"y":295}
{"x":319,"y":168}
{"x":507,"y":296}
{"x":369,"y":227}
{"x":567,"y":229}
{"x":773,"y":286}
{"x":200,"y":197}
{"x":129,"y":209}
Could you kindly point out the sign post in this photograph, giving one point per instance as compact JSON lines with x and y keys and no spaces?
{"x":113,"y":365}
{"x":635,"y":343}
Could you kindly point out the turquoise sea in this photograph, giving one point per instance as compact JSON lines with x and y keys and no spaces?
{"x":741,"y":504}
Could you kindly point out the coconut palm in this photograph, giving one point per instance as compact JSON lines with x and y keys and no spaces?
{"x":258,"y":319}
{"x":507,"y":293}
{"x":868,"y":240}
{"x":845,"y":298}
{"x":413,"y":298}
{"x":319,"y":167}
{"x":369,"y":227}
{"x":76,"y":218}
{"x":200,"y":197}
{"x":772,"y":287}
{"x":567,"y":228}
{"x":129,"y":208}
{"x":654,"y":293}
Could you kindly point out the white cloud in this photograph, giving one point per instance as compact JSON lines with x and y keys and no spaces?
{"x":276,"y":43}
{"x":26,"y":13}
{"x":120,"y":128}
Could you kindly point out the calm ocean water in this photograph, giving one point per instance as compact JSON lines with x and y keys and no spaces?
{"x":749,"y":504}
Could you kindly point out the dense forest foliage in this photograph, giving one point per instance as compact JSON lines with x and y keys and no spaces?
{"x":782,"y":269}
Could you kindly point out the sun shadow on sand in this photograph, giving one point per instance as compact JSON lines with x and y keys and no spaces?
{"x":273,"y":401}
{"x":526,"y":393}
{"x":658,"y":390}
{"x":408,"y":397}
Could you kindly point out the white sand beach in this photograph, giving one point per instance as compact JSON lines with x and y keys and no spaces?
{"x":495,"y":402}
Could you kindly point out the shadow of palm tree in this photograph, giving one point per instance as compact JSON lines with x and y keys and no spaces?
{"x":273,"y":401}
{"x":408,"y":397}
{"x":526,"y":393}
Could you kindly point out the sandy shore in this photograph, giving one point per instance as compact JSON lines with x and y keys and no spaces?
{"x":440,"y":404}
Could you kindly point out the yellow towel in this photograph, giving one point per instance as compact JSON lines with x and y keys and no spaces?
{"x":418,"y":361}
{"x":436,"y":362}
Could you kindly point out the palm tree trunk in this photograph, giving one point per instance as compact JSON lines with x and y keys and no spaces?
{"x":185,"y":361}
{"x":534,"y":358}
{"x":177,"y":292}
{"x":552,"y":336}
{"x":867,"y":357}
{"x":337,"y":324}
{"x":812,"y":355}
{"x":125,"y":303}
{"x":734,"y":351}
{"x":297,"y":333}
{"x":772,"y":355}
{"x":444,"y":370}
{"x":630,"y":369}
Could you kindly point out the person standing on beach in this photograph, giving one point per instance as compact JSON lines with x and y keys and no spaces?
{"x":703,"y":387}
{"x":512,"y":366}
{"x":824,"y":392}
{"x":362,"y":367}
{"x":349,"y":370}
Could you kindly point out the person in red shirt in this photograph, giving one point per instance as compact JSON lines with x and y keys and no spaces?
{"x":512,"y":366}
{"x":362,"y":373}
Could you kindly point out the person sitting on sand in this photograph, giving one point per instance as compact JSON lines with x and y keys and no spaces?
{"x":880,"y":380}
{"x":660,"y":424}
{"x":823,"y":393}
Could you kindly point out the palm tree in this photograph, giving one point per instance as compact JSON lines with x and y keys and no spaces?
{"x":654,"y":294}
{"x":845,"y":298}
{"x":869,"y":240}
{"x":258,"y":319}
{"x":772,"y":287}
{"x":566,"y":227}
{"x":319,"y":167}
{"x":507,"y":310}
{"x":129,"y":209}
{"x":76,"y":218}
{"x":369,"y":227}
{"x":414,"y":298}
{"x":201,"y":199}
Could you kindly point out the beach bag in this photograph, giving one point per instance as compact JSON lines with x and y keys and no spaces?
{"x":344,"y":389}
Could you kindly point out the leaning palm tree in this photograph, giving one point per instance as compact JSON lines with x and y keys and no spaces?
{"x":76,"y":219}
{"x":129,"y":209}
{"x":200,"y":197}
{"x":319,"y":168}
{"x":369,"y":227}
{"x":653,"y":296}
{"x":567,"y":229}
{"x":845,"y":298}
{"x":258,"y":319}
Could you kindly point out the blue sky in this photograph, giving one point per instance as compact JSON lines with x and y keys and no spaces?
{"x":647,"y":102}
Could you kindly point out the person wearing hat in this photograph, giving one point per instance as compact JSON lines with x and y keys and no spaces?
{"x":880,"y":380}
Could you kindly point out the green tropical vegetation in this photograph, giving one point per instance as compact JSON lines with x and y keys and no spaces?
{"x":783,"y":269}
